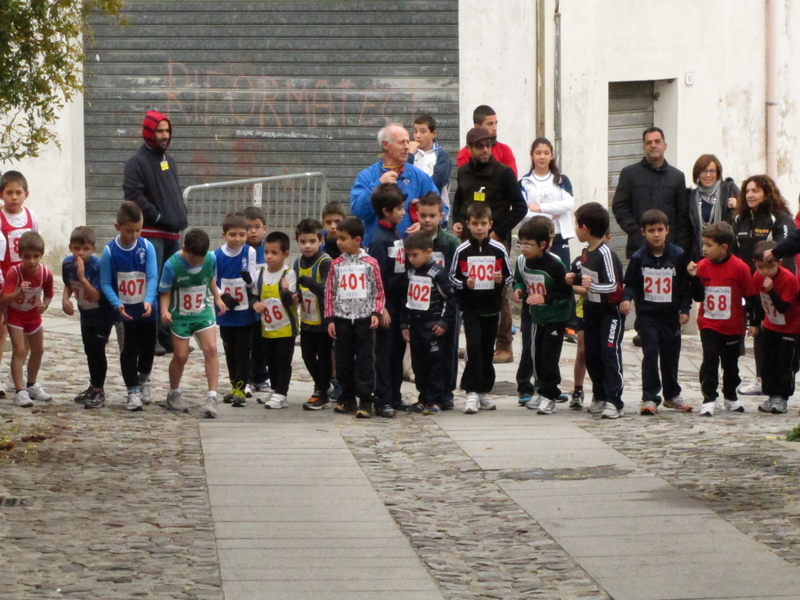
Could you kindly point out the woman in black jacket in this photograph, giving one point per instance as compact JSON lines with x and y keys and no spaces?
{"x":761,"y":214}
{"x":712,"y":201}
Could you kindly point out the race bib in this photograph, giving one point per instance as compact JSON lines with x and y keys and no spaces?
{"x":717,"y":304}
{"x":82,"y":297}
{"x":398,"y":254}
{"x":591,"y":296}
{"x":438,"y":258}
{"x":353,"y":282}
{"x":28,"y":299}
{"x":13,"y":244}
{"x":130,"y":286}
{"x":419,"y":293}
{"x":310,"y":308}
{"x":481,"y":269}
{"x":535,"y":283}
{"x":192,"y":299}
{"x":237,"y":289}
{"x":773,"y":315}
{"x":274,"y":316}
{"x":657,"y":285}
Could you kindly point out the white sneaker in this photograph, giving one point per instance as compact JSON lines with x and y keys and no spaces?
{"x":266,"y":397}
{"x":147,"y":390}
{"x":751,"y":389}
{"x":276,"y":401}
{"x":472,"y":404}
{"x":248,"y":390}
{"x":210,"y":407}
{"x":597,"y":407}
{"x":175,"y":402}
{"x":485,"y":402}
{"x":23,"y":399}
{"x":611,"y":412}
{"x":261,"y":387}
{"x":35,"y":392}
{"x":534,"y":402}
{"x":707,"y":409}
{"x":735,"y":405}
{"x":134,"y":401}
{"x":547,"y":407}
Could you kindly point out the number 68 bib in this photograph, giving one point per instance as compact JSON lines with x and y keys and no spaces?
{"x":717,"y":304}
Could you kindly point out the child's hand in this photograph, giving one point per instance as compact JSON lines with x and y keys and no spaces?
{"x":691,"y":268}
{"x":768,"y":283}
{"x":259,"y":307}
{"x":80,"y":268}
{"x":586,"y":282}
{"x":67,"y":307}
{"x":569,"y":278}
{"x":498,"y":277}
{"x":284,"y":284}
{"x":386,"y":319}
{"x":752,"y":331}
{"x":683,"y":319}
{"x":25,"y":285}
{"x":123,"y":314}
{"x":471,"y":283}
{"x":517,"y":295}
{"x":295,"y":299}
{"x":439,"y":330}
{"x":41,"y":307}
{"x":625,"y":307}
{"x":373,"y":322}
{"x":166,"y":317}
{"x":148,"y":309}
{"x":458,"y":229}
{"x":332,"y":330}
{"x":221,"y":307}
{"x":535,"y":299}
{"x":406,"y":336}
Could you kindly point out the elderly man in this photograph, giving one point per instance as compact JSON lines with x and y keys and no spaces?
{"x":390,"y":168}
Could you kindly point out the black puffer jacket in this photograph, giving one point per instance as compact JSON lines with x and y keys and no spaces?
{"x":759,"y":225}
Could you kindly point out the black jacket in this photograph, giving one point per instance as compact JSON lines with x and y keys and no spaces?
{"x":155,"y":190}
{"x":485,"y":301}
{"x":721,"y":212}
{"x":642,"y":187}
{"x":753,"y":227}
{"x":442,"y":300}
{"x":637,"y":287}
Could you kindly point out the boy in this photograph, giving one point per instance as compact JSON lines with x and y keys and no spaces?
{"x":15,"y":220}
{"x":80,"y":272}
{"x":600,"y":274}
{"x":316,"y":346}
{"x":258,"y":376}
{"x":27,"y":293}
{"x":332,"y":214}
{"x":430,"y":214}
{"x":484,"y":116}
{"x":277,"y":309}
{"x":354,"y":302}
{"x":235,"y":278}
{"x":428,"y":314}
{"x":720,"y":281}
{"x":479,"y":272}
{"x":657,"y":282}
{"x":183,"y":290}
{"x":539,"y":278}
{"x":387,"y":249}
{"x":777,"y":287}
{"x":129,"y":280}
{"x":424,"y":153}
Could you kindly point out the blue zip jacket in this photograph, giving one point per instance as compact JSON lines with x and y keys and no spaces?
{"x":676,"y":281}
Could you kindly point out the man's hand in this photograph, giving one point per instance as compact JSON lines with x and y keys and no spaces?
{"x":67,"y":307}
{"x":535,"y":299}
{"x":768,"y":283}
{"x":406,"y":336}
{"x":752,"y":331}
{"x":373,"y":322}
{"x":691,"y":268}
{"x":768,"y":256}
{"x":471,"y":283}
{"x":332,"y":330}
{"x":458,"y":229}
{"x":386,"y":319}
{"x":625,"y":307}
{"x":388,"y":177}
{"x":148,"y":309}
{"x":683,"y":319}
{"x":123,"y":314}
{"x":569,"y":278}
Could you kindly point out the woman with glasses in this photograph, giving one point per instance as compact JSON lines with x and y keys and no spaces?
{"x":712,"y":201}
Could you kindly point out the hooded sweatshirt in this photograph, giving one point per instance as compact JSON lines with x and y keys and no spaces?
{"x":151,"y":180}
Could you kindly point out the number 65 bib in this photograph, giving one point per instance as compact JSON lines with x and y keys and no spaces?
{"x":717,"y":304}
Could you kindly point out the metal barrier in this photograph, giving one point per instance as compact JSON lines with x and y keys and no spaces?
{"x":285,"y":200}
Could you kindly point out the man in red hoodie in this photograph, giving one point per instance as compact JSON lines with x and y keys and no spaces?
{"x":151,"y":181}
{"x":484,"y":116}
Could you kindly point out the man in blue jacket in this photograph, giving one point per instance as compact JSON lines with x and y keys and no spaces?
{"x":390,"y":168}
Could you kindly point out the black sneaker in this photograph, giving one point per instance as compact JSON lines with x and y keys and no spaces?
{"x":345,"y":407}
{"x":417,"y":407}
{"x":316,"y":403}
{"x":83,"y":396}
{"x":385,"y":411}
{"x":96,"y":399}
{"x":364,"y":410}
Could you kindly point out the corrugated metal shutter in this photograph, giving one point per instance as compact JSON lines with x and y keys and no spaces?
{"x":630,"y":112}
{"x":265,"y":88}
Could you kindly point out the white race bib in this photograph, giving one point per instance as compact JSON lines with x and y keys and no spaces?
{"x":353,"y":282}
{"x":13,"y":244}
{"x":131,"y":286}
{"x":28,"y":299}
{"x":82,"y":297}
{"x":310,"y":308}
{"x":398,"y":254}
{"x":717,"y":304}
{"x":535,"y":283}
{"x":773,"y":315}
{"x":274,"y":316}
{"x":657,"y":284}
{"x":192,"y":299}
{"x":481,"y":269}
{"x":237,"y":289}
{"x":438,"y":258}
{"x":591,"y":296}
{"x":419,"y":293}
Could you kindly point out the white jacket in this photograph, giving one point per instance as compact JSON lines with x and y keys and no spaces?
{"x":557,"y":206}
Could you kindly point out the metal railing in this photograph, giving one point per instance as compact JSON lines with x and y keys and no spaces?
{"x":285,"y":200}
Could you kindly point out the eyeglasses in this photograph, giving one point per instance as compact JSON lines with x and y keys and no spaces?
{"x":708,"y":172}
{"x":480,"y":145}
{"x":524,"y":246}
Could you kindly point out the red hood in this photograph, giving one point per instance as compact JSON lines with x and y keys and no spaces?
{"x":149,"y":124}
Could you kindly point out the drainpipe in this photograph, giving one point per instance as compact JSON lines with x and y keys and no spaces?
{"x":772,"y":88}
{"x":540,"y":41}
{"x":557,"y":86}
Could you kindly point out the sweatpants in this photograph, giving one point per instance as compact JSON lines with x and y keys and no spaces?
{"x":95,"y":338}
{"x":316,"y":347}
{"x":661,"y":342}
{"x":525,"y":367}
{"x":355,"y":359}
{"x":258,"y":360}
{"x":719,"y":348}
{"x":450,"y":363}
{"x":237,"y":341}
{"x":480,"y":331}
{"x":546,"y":343}
{"x":780,"y":363}
{"x":279,"y":353}
{"x":138,"y":350}
{"x":429,"y":354}
{"x":390,"y":348}
{"x":602,"y":333}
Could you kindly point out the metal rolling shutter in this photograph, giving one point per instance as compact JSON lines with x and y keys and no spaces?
{"x":265,"y":88}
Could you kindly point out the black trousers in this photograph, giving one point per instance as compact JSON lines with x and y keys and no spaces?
{"x":95,"y":338}
{"x":138,"y":350}
{"x":236,"y":342}
{"x":661,"y":342}
{"x":355,"y":359}
{"x":279,"y":353}
{"x":390,"y":348}
{"x":450,"y":363}
{"x":316,"y":347}
{"x":602,"y":337}
{"x":547,"y":340}
{"x":719,"y":348}
{"x":525,"y":367}
{"x":480,"y":331}
{"x":759,"y":351}
{"x":780,"y":363}
{"x":429,"y":354}
{"x":258,"y":359}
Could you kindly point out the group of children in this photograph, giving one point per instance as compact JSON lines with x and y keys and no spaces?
{"x":355,"y":309}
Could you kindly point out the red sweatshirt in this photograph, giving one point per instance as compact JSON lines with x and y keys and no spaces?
{"x":500,"y":151}
{"x":781,"y":308}
{"x":725,"y":285}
